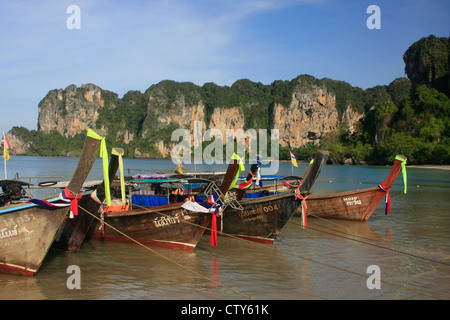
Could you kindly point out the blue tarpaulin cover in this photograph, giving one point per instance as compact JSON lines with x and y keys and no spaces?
{"x":149,"y":201}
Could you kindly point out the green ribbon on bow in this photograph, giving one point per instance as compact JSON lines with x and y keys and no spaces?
{"x":122,"y":179}
{"x":104,"y":155}
{"x":241,"y":168}
{"x":403,"y":169}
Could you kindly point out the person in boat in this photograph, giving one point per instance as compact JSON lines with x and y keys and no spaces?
{"x":177,"y":194}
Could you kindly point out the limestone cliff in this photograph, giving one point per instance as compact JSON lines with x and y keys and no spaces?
{"x":427,"y":62}
{"x":351,"y":119}
{"x":71,"y":110}
{"x":303,"y":110}
{"x":311,"y":114}
{"x":19,"y":146}
{"x":304,"y":117}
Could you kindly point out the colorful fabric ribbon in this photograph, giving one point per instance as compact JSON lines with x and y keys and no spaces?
{"x":388,"y":198}
{"x":104,"y":155}
{"x":67,"y":198}
{"x":212,"y":201}
{"x":101,"y":210}
{"x":102,"y":220}
{"x":298,"y":195}
{"x":291,"y":185}
{"x":247,"y":184}
{"x":122,"y":179}
{"x":214,"y":208}
{"x":403,"y":170}
{"x":214,"y":228}
{"x":258,"y":172}
{"x":241,"y":168}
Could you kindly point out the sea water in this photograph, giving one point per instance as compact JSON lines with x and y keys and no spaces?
{"x":332,"y":259}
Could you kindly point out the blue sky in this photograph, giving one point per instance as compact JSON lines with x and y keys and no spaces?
{"x":130,"y":45}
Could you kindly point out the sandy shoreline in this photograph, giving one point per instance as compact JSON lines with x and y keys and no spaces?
{"x":430,"y":166}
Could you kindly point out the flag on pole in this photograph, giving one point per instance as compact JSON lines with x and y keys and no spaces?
{"x":258,"y":172}
{"x":293,"y":159}
{"x":180,"y":166}
{"x":6,"y":146}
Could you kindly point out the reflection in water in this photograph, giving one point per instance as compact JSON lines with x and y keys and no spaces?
{"x":214,"y":273}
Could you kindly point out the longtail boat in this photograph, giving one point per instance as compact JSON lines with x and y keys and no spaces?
{"x":74,"y":231}
{"x":261,"y":216}
{"x":357,"y":205}
{"x":176,"y":225}
{"x":260,"y":219}
{"x":27,"y":230}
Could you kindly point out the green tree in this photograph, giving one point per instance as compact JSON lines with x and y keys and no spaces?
{"x":398,"y":143}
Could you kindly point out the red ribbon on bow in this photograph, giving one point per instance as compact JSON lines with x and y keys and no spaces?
{"x":214,"y":228}
{"x":247,"y":183}
{"x":73,"y":200}
{"x":298,"y":195}
{"x":388,"y":198}
{"x":291,"y":185}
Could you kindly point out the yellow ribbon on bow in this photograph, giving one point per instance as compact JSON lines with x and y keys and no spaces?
{"x":122,"y":179}
{"x":104,"y":155}
{"x":241,"y":168}
{"x":403,"y":169}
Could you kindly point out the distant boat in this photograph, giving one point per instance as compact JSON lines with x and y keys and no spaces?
{"x":288,"y":183}
{"x":27,"y":230}
{"x":357,"y":205}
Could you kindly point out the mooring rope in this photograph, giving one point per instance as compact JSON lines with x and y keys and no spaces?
{"x":382,"y":247}
{"x":261,"y":245}
{"x":353,"y":272}
{"x":348,"y":235}
{"x":168,"y":259}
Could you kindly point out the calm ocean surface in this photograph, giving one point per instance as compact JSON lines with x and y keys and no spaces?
{"x":329,"y":260}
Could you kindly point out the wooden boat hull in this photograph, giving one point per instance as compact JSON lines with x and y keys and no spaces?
{"x":74,"y":230}
{"x":355,"y":205}
{"x":28,"y":230}
{"x":170,"y":227}
{"x":261,"y":219}
{"x":26,"y":236}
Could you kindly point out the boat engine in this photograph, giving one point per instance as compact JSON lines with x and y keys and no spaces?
{"x":11,"y":192}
